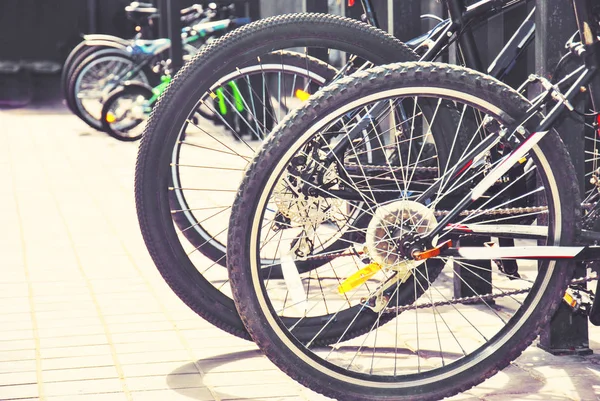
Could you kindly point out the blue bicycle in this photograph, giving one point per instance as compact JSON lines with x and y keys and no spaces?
{"x":99,"y":73}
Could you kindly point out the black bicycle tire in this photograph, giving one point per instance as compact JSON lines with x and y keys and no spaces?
{"x":207,"y":67}
{"x":337,"y":385}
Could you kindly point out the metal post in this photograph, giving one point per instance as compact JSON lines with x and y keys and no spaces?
{"x":317,"y":6}
{"x":163,"y":25}
{"x":92,"y":9}
{"x":174,"y":27}
{"x":407,"y":20}
{"x":170,"y":27}
{"x":390,"y":17}
{"x":567,"y":333}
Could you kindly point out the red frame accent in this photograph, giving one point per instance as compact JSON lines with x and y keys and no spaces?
{"x":464,"y":168}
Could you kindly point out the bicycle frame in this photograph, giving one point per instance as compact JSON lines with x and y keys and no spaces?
{"x":457,"y":26}
{"x":198,"y":32}
{"x":584,"y":77}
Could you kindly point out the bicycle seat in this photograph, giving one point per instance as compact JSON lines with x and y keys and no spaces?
{"x":142,"y":46}
{"x":196,"y":8}
{"x":140,"y":13}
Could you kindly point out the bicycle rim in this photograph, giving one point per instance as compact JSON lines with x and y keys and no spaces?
{"x":439,"y":336}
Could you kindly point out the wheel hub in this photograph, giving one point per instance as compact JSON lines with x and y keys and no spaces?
{"x":392,"y":232}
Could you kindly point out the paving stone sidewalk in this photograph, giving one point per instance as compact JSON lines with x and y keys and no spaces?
{"x":85,"y":316}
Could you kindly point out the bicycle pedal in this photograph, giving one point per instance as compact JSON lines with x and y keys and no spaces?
{"x":579,"y":300}
{"x":359,"y":277}
{"x":572,"y":299}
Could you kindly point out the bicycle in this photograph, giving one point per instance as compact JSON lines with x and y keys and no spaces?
{"x":99,"y":73}
{"x":191,"y":224}
{"x":142,"y":15}
{"x":127,"y":108}
{"x":506,"y":174}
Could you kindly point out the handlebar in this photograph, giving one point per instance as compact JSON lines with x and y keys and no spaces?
{"x":193,"y":8}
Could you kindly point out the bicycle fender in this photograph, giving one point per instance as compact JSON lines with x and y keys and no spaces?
{"x":103,"y":39}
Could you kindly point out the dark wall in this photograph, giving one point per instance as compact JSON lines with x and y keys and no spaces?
{"x":110,"y":18}
{"x":49,"y":29}
{"x":39,"y":29}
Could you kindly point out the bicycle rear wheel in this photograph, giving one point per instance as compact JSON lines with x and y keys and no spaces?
{"x":437,"y":344}
{"x":275,"y":64}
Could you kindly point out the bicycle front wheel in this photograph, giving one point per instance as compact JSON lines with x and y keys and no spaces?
{"x":437,"y":343}
{"x":126,"y":110}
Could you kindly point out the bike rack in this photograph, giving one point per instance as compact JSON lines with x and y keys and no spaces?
{"x":170,"y":27}
{"x":567,"y":333}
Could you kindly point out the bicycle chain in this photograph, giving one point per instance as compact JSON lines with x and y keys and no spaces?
{"x":475,"y":298}
{"x":394,"y":168}
{"x":497,"y":212}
